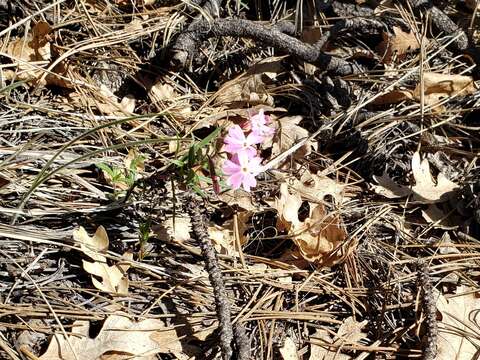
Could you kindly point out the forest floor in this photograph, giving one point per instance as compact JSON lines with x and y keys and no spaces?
{"x":207,"y":179}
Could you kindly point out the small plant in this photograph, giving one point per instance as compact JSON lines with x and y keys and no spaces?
{"x":123,"y":178}
{"x":143,"y":236}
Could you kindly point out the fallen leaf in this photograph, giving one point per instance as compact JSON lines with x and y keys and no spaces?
{"x":324,"y":347}
{"x":389,"y":188}
{"x":288,"y":134}
{"x":393,"y":97}
{"x":289,"y":350}
{"x":176,"y":228}
{"x":440,"y":219}
{"x":32,"y":54}
{"x":398,"y":43}
{"x":119,"y":338}
{"x":107,"y":102}
{"x":425,"y":189}
{"x":315,"y":187}
{"x":458,"y":329}
{"x":114,"y":278}
{"x":320,"y":238}
{"x":251,"y":87}
{"x":436,"y":87}
{"x":238,"y":197}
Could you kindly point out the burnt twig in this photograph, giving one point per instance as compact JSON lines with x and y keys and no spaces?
{"x":221,"y":302}
{"x":442,"y":23}
{"x":188,"y":42}
{"x":430,"y":311}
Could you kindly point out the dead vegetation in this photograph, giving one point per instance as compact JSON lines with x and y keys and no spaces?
{"x":121,"y":239}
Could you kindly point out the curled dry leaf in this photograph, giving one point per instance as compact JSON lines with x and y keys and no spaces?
{"x":179,"y":229}
{"x":458,"y":336}
{"x":114,"y":278}
{"x":436,"y":87}
{"x":288,"y":134}
{"x":32,"y":53}
{"x":325,"y":348}
{"x":398,"y":43}
{"x":320,"y":238}
{"x":119,"y":338}
{"x":425,"y":189}
{"x":251,"y":87}
{"x":389,"y":188}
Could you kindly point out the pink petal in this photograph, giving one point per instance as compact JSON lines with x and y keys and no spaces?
{"x":249,"y":181}
{"x":255,"y":138}
{"x":233,"y":148}
{"x":235,"y":133}
{"x":235,"y":181}
{"x":243,"y":159}
{"x":229,"y":167}
{"x":254,"y":166}
{"x":258,"y":119}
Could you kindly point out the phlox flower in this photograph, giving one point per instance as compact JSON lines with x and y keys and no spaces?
{"x":260,"y":123}
{"x":236,"y":141}
{"x":241,"y":170}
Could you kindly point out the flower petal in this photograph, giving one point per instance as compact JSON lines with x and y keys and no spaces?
{"x":235,"y":181}
{"x":230,"y":167}
{"x":249,"y":181}
{"x":255,"y":138}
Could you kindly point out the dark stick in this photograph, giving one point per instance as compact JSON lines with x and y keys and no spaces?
{"x":430,"y":311}
{"x":211,"y":264}
{"x":188,"y":42}
{"x":442,"y":23}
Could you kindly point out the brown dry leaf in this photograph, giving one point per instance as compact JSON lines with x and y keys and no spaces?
{"x":389,"y":188}
{"x":289,"y":350}
{"x":120,"y":338}
{"x":320,"y":237}
{"x":238,"y":197}
{"x":315,"y":187}
{"x":425,"y":189}
{"x":458,"y":330}
{"x":114,"y":278}
{"x":440,"y":219}
{"x":288,"y":134}
{"x":251,"y":87}
{"x":436,"y":87}
{"x":108,"y":103}
{"x":399,"y":43}
{"x":439,"y":86}
{"x":350,"y":332}
{"x":393,"y":97}
{"x":176,"y":228}
{"x":32,"y":54}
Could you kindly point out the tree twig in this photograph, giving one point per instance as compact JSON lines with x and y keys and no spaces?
{"x":187,"y":43}
{"x":211,"y":264}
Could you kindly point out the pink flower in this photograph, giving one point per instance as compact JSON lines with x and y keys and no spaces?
{"x":259,"y":124}
{"x":236,"y":141}
{"x":241,"y":170}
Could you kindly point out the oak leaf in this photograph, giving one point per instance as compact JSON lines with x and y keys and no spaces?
{"x":324,"y":347}
{"x":425,"y":189}
{"x":120,"y":338}
{"x":113,"y":278}
{"x":458,"y":330}
{"x":398,"y":43}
